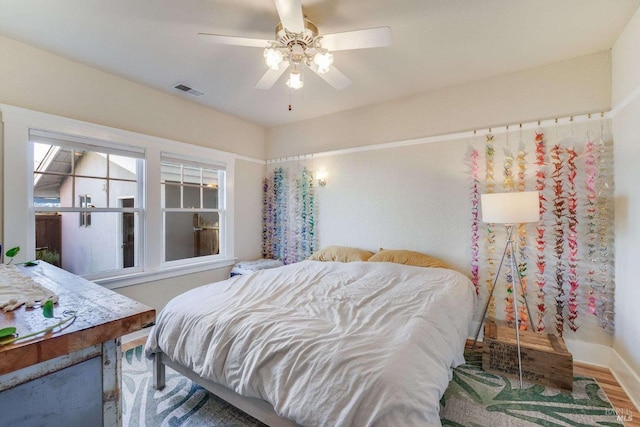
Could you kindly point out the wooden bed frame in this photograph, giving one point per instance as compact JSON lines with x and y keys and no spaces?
{"x":257,"y":408}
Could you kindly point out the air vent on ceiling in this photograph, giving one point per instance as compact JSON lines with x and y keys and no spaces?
{"x":189,"y":90}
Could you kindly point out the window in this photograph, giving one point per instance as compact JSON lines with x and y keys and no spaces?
{"x":193,"y":208}
{"x":93,"y":199}
{"x":78,"y":189}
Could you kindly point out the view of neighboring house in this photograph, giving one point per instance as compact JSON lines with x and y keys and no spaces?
{"x":83,"y":181}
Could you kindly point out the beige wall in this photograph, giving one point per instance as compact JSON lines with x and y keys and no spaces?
{"x":626,"y":127}
{"x":248,"y":214}
{"x":416,"y":197}
{"x":40,"y":81}
{"x":569,"y":87}
{"x":157,"y":294}
{"x":37,"y":80}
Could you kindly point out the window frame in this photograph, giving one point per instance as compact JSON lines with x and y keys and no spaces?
{"x":187,"y":161}
{"x":81,"y":203}
{"x":19,"y":229}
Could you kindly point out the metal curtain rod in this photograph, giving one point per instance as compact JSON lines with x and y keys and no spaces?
{"x":494,"y":130}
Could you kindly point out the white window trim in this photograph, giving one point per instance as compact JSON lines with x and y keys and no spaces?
{"x":19,"y":229}
{"x":221,"y":210}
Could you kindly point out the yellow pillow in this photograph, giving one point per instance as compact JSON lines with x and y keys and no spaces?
{"x":340,"y":254}
{"x":407,"y":257}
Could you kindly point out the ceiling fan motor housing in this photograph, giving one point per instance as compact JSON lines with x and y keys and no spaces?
{"x":306,"y":38}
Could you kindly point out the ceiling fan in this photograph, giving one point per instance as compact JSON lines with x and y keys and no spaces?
{"x":298,"y":44}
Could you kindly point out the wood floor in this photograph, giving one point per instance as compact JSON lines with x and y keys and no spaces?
{"x":618,"y":398}
{"x":629,"y":414}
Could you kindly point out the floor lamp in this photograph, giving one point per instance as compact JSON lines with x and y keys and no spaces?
{"x":510,"y":209}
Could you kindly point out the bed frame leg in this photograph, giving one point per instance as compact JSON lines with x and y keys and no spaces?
{"x":158,"y":372}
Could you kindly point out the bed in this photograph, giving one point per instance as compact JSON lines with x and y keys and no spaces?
{"x":322,"y":343}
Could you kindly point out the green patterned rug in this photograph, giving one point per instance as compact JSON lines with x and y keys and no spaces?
{"x":477,"y":398}
{"x":474,"y":398}
{"x":180,"y":403}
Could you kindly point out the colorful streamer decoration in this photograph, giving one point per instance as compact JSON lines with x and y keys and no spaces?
{"x":289,"y":214}
{"x":491,"y":235}
{"x":508,"y":186}
{"x":572,"y":238}
{"x":592,"y":235}
{"x":559,"y":209}
{"x":475,"y":236}
{"x":604,"y":207}
{"x":573,"y":242}
{"x":541,"y":180}
{"x":521,"y":166}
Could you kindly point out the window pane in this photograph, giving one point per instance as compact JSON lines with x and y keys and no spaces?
{"x":171,"y":196}
{"x":46,"y":187}
{"x":51,"y":158}
{"x":83,"y":175}
{"x":90,"y":163}
{"x":109,"y":243}
{"x":191,"y":197}
{"x":120,"y":191}
{"x":189,"y":235}
{"x":210,"y":198}
{"x":123,"y":167}
{"x":95,"y":188}
{"x":52,"y":164}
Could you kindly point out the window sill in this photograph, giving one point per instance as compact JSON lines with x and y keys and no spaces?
{"x":165,"y":273}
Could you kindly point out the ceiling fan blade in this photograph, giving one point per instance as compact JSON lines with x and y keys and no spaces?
{"x":270,"y":78}
{"x":358,"y":39}
{"x":290,"y":12}
{"x":334,"y":77}
{"x":234,"y":41}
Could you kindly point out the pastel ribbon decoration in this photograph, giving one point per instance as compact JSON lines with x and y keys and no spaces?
{"x":541,"y":180}
{"x":491,"y":235}
{"x":508,"y":186}
{"x":475,"y":236}
{"x":591,"y":238}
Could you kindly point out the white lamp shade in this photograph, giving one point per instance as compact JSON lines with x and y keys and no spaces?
{"x":510,"y":208}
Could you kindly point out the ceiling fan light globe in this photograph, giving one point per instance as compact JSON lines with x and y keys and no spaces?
{"x":295,"y":80}
{"x":273,"y":58}
{"x":323,"y":60}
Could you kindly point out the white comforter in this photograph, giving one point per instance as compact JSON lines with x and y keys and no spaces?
{"x":327,"y":344}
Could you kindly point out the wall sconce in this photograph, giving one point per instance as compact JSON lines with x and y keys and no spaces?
{"x":322,"y":178}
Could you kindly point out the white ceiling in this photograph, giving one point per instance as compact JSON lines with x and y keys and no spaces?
{"x":436,"y":43}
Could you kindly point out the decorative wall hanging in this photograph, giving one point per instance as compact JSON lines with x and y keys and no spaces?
{"x":572,"y":247}
{"x":508,"y":186}
{"x":475,"y":205}
{"x":491,"y":236}
{"x":541,"y":180}
{"x":289,"y":215}
{"x":522,"y":238}
{"x":559,"y":208}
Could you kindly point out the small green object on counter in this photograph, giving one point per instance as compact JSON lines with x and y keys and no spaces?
{"x":47,"y":309}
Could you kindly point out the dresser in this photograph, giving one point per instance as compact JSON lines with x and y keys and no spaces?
{"x":72,"y":375}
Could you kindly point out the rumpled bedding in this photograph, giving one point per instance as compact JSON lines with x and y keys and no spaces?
{"x":325,"y":343}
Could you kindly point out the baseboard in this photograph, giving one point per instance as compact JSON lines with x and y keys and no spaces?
{"x":628,"y":379}
{"x":586,"y":352}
